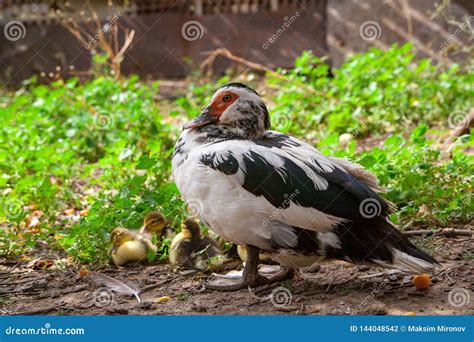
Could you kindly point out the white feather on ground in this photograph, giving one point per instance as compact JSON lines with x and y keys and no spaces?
{"x":116,"y":285}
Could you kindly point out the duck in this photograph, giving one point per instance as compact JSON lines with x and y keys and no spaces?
{"x":191,"y":250}
{"x":274,"y":193}
{"x":128,"y":246}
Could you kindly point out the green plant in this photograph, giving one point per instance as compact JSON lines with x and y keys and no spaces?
{"x":79,"y":159}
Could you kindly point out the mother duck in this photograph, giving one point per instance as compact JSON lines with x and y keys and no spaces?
{"x":273,"y":193}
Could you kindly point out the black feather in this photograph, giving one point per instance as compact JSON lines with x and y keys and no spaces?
{"x":239,"y":85}
{"x":373,"y":240}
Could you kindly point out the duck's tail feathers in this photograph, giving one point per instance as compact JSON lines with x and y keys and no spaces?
{"x":378,"y":242}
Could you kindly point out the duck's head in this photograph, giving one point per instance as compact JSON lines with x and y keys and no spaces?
{"x":154,"y":222}
{"x":192,"y":226}
{"x":237,"y":110}
{"x":120,"y":235}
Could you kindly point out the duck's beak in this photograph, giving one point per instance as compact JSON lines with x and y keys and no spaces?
{"x":205,"y":118}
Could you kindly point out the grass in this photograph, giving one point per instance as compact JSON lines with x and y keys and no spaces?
{"x":79,"y":159}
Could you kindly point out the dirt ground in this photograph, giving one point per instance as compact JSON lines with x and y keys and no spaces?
{"x":335,"y":288}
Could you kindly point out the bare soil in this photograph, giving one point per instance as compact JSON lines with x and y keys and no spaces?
{"x":334,"y":288}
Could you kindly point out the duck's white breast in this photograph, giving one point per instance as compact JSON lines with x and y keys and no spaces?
{"x":222,"y":204}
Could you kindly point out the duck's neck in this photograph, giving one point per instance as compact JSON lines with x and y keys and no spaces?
{"x":194,"y":139}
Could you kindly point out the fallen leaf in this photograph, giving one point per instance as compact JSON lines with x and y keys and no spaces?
{"x":84,"y":272}
{"x":34,"y":221}
{"x":423,"y":210}
{"x":69,"y":211}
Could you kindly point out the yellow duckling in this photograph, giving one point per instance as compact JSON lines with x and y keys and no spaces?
{"x":128,"y":246}
{"x":189,"y":249}
{"x":155,"y":223}
{"x":263,"y":257}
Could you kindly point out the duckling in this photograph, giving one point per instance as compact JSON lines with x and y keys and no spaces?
{"x":229,"y":248}
{"x":191,"y":250}
{"x":156,"y":223}
{"x":264,"y":258}
{"x":128,"y":246}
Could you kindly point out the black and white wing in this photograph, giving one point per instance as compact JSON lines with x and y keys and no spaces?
{"x":305,"y":188}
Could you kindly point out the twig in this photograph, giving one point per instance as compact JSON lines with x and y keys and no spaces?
{"x":92,"y":34}
{"x":379,"y":274}
{"x":209,"y":61}
{"x":447,"y":232}
{"x":39,"y":311}
{"x":401,"y":286}
{"x":126,"y":44}
{"x":328,"y":288}
{"x":290,"y":308}
{"x":75,"y":289}
{"x":154,"y":286}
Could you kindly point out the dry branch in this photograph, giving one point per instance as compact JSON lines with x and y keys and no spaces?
{"x":209,"y":61}
{"x":447,"y":232}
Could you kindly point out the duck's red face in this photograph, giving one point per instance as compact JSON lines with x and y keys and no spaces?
{"x":211,"y":114}
{"x":222,"y":102}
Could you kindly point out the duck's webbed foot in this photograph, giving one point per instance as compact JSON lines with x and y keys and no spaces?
{"x":250,"y":276}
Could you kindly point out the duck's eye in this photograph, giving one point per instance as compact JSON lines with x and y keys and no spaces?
{"x":226,"y":98}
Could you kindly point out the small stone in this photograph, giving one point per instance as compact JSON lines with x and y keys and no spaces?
{"x":146,"y":305}
{"x":345,"y":139}
{"x":117,"y":311}
{"x":313,"y":269}
{"x":377,"y":280}
{"x":199,"y":308}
